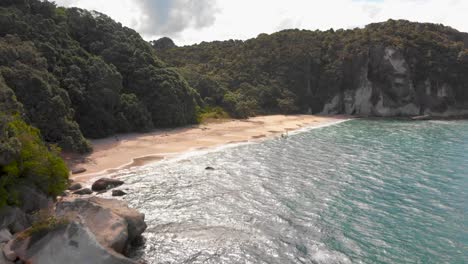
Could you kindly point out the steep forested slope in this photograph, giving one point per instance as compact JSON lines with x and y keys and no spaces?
{"x":79,"y":73}
{"x":385,"y":69}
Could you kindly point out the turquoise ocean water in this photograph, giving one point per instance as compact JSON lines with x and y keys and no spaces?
{"x":362,"y":191}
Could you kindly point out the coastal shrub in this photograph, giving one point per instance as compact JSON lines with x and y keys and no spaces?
{"x":211,"y":113}
{"x":32,"y":163}
{"x":44,"y":222}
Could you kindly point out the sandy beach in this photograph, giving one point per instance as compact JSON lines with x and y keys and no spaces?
{"x":129,"y":150}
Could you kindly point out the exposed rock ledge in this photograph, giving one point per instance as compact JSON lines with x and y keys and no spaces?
{"x":93,"y":230}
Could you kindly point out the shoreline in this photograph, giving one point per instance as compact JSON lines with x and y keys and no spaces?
{"x":125,"y":151}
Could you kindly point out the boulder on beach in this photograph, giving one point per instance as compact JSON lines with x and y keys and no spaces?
{"x":32,"y":200}
{"x":75,"y":187}
{"x":70,"y":243}
{"x":3,"y":259}
{"x":78,"y":170}
{"x":113,"y":223}
{"x":104,"y":184}
{"x":13,"y":219}
{"x":118,"y":193}
{"x":85,"y":191}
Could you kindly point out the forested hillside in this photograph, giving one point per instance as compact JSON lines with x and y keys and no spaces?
{"x":68,"y":74}
{"x":385,"y":69}
{"x":71,"y":74}
{"x":80,"y":74}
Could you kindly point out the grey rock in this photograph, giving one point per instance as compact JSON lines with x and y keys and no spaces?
{"x":135,"y":219}
{"x":73,"y":243}
{"x":118,"y":193}
{"x":13,"y":219}
{"x":75,"y":187}
{"x":3,"y":259}
{"x":78,"y":170}
{"x":114,"y":224}
{"x":5,"y":235}
{"x":105,"y":184}
{"x":32,"y":200}
{"x":8,"y":253}
{"x":85,"y":191}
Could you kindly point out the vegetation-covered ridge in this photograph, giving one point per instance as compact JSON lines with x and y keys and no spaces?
{"x":395,"y":68}
{"x":80,"y":74}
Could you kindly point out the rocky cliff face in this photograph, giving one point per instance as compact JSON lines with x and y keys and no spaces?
{"x":386,"y":87}
{"x":395,"y":68}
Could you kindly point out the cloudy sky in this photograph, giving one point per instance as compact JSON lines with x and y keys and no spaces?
{"x":193,"y":21}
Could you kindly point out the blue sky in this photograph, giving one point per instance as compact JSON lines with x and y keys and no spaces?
{"x":193,"y":21}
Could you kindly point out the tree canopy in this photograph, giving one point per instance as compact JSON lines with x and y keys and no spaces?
{"x":298,"y":71}
{"x":80,"y":74}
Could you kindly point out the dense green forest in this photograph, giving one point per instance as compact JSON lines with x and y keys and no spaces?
{"x":68,"y":74}
{"x":299,"y":71}
{"x":80,"y":74}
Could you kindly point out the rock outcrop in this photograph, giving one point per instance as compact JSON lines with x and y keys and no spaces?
{"x":114,"y":224}
{"x":384,"y":85}
{"x":13,"y":219}
{"x":72,"y":243}
{"x":105,"y":184}
{"x":85,"y":191}
{"x":75,"y":187}
{"x":90,"y":230}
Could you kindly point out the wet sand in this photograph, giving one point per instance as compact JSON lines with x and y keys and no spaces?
{"x":129,"y":150}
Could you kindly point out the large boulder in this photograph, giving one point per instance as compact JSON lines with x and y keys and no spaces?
{"x":13,"y":219}
{"x":114,"y":224}
{"x":3,"y":259}
{"x":70,"y":243}
{"x":32,"y":200}
{"x":104,"y":184}
{"x":135,"y":220}
{"x":75,"y":186}
{"x":5,"y":235}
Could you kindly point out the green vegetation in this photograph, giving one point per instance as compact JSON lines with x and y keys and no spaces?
{"x":44,"y":222}
{"x":79,"y":73}
{"x":211,"y":113}
{"x":298,"y":71}
{"x":68,"y":73}
{"x":26,"y":160}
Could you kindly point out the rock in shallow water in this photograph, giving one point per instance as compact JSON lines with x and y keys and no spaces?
{"x":14,"y":219}
{"x":118,"y":193}
{"x":75,"y":187}
{"x":72,"y":243}
{"x":78,"y":170}
{"x":104,"y":184}
{"x":84,"y":191}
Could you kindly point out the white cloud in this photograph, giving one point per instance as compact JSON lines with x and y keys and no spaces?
{"x":193,"y":21}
